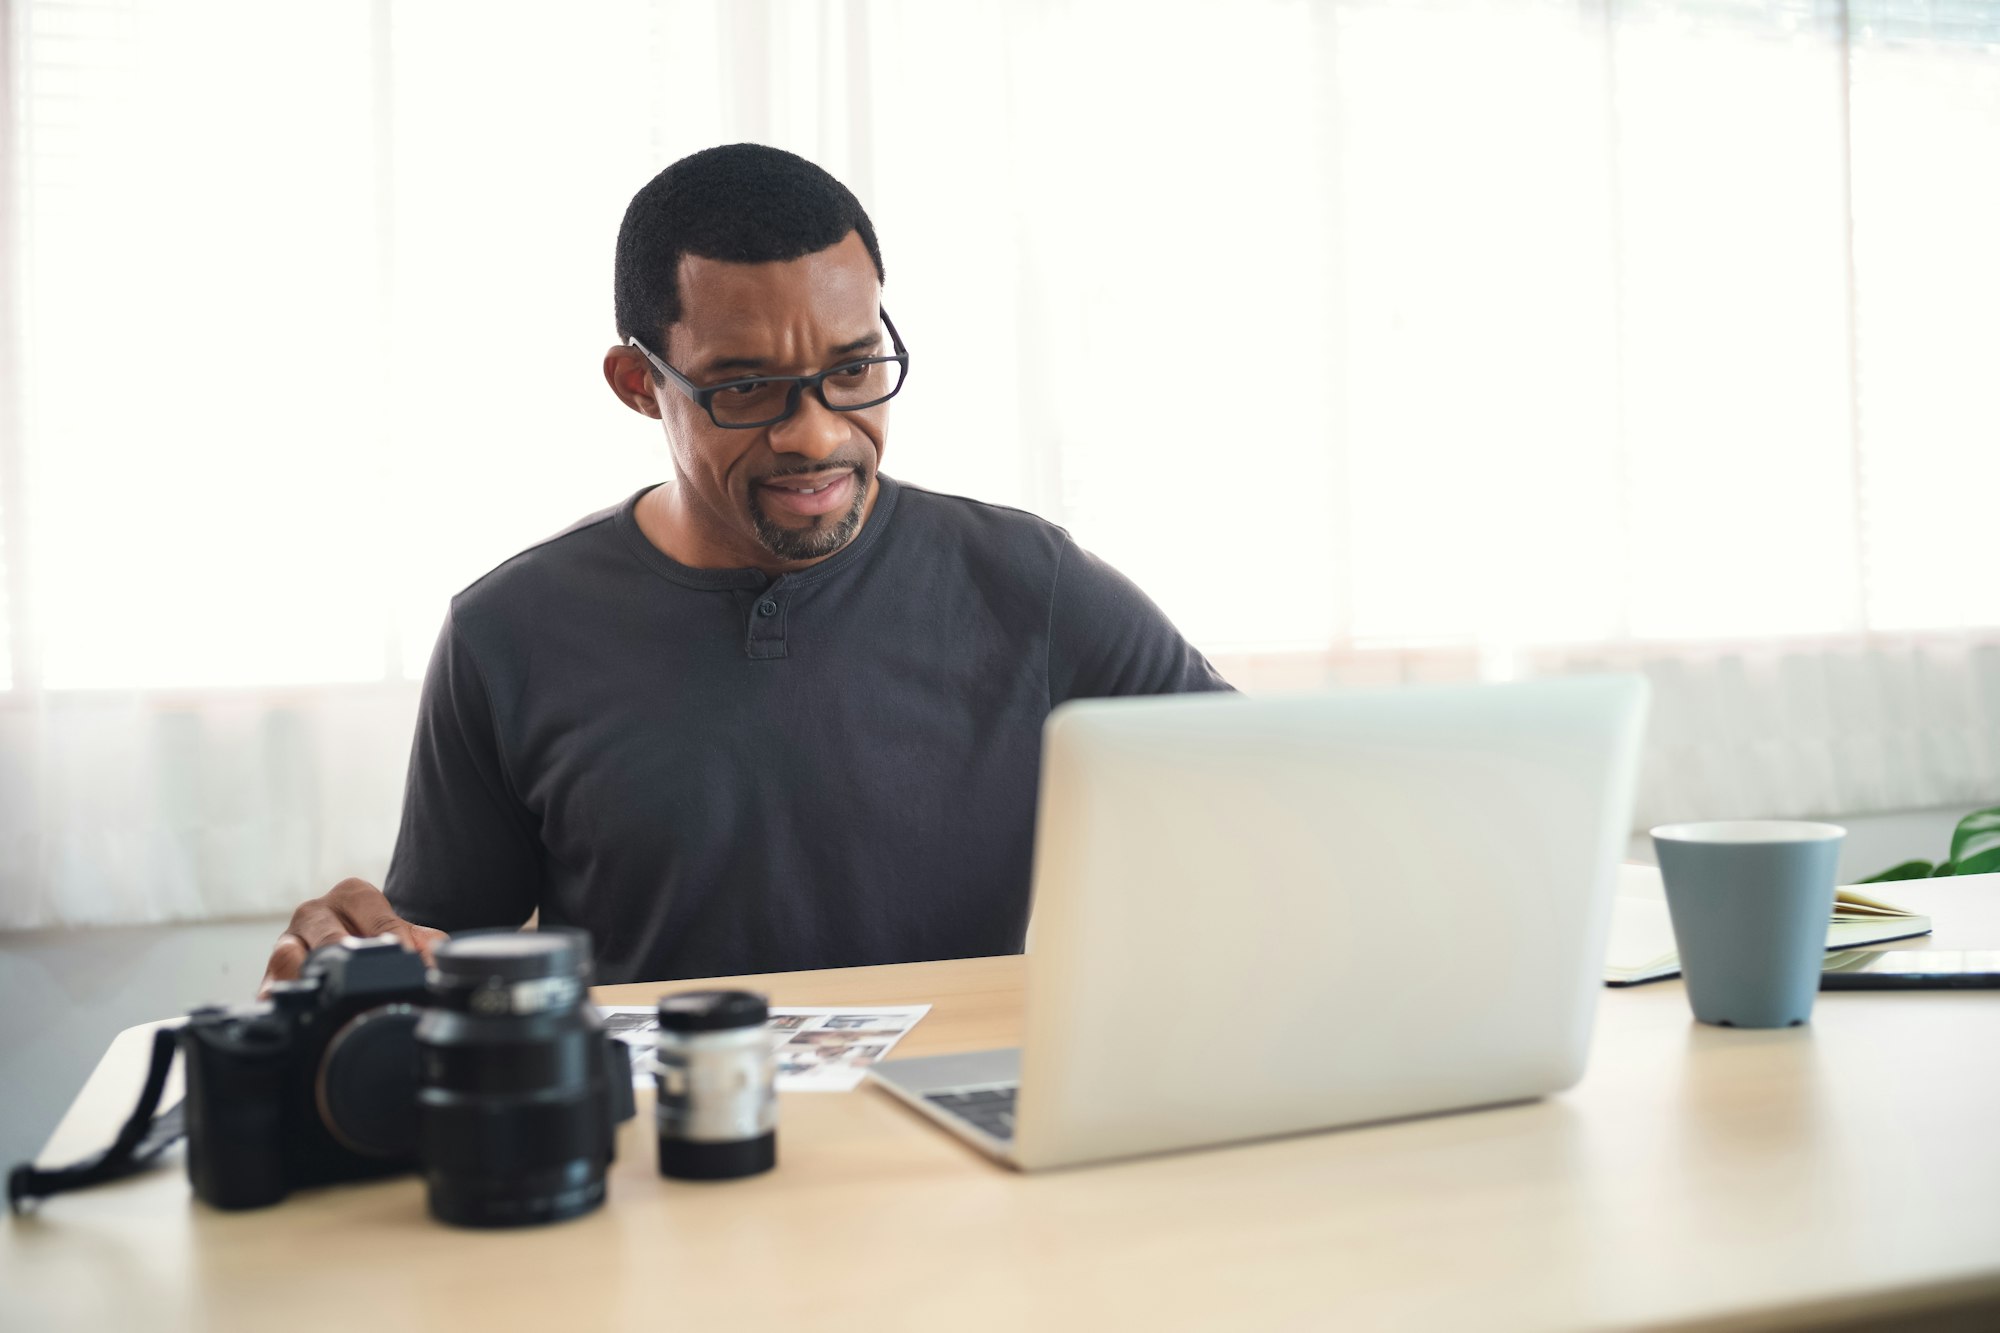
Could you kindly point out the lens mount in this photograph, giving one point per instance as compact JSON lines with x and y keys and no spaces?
{"x":366,"y":1087}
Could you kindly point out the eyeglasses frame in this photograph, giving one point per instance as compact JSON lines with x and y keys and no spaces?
{"x":703,"y":395}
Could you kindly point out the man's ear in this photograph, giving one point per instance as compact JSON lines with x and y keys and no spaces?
{"x":631,"y":378}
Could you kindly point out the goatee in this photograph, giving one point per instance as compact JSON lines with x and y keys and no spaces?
{"x":825,"y":535}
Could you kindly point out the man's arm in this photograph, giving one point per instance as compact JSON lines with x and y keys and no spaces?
{"x":467,"y":853}
{"x":1107,"y":638}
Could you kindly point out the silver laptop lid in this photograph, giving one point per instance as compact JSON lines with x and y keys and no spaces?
{"x":1261,"y":916}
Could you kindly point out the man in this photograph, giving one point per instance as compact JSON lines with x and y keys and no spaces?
{"x":782,"y":711}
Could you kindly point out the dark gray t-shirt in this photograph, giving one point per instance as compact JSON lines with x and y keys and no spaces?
{"x":718,"y":772}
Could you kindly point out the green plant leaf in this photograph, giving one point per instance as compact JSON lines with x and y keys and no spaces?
{"x":1945,"y":868}
{"x":1976,"y":842}
{"x":1907,"y":870}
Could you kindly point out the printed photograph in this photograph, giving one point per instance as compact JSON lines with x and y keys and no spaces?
{"x":800,"y":1054}
{"x":831,"y":1048}
{"x":626,"y":1025}
{"x":855,"y":1021}
{"x":825,"y":1041}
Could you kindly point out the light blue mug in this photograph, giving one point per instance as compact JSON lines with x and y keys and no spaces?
{"x":1750,"y":900}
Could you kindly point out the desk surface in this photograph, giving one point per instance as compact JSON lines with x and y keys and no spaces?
{"x":1696,"y":1176}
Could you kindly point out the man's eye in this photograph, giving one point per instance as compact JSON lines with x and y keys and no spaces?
{"x":743,"y":390}
{"x":852,"y":372}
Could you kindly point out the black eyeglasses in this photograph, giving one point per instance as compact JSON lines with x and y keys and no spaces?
{"x":765,"y":400}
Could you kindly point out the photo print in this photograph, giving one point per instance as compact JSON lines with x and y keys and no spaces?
{"x":818,"y":1049}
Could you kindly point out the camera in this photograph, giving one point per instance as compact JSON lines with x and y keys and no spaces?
{"x":317,"y":1085}
{"x":490,"y":1072}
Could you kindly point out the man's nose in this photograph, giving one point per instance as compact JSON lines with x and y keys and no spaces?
{"x":814,"y":431}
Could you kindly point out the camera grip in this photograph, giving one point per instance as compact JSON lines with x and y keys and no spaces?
{"x":235,"y":1111}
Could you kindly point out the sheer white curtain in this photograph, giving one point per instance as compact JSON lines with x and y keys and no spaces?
{"x":1378,"y":342}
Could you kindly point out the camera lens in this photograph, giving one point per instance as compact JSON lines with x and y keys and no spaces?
{"x":516,"y":1112}
{"x":717,"y":1116}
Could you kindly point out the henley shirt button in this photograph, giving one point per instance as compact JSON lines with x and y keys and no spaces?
{"x":767,"y":607}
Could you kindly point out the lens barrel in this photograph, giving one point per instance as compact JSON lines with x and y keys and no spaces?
{"x":716,"y":1112}
{"x":516,"y":1113}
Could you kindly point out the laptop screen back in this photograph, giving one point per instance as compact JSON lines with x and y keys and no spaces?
{"x":1262,"y":916}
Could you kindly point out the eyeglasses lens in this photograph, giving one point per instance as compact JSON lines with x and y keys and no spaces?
{"x":863,"y":383}
{"x":755,"y":402}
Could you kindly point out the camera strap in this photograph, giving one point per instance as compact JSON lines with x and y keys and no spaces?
{"x":144,"y":1137}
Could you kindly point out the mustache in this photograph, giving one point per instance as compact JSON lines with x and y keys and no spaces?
{"x":854,"y":465}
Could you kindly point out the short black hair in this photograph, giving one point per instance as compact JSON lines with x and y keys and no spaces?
{"x":744,"y":203}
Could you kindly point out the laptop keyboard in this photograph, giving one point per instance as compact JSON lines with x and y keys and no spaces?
{"x":989,"y":1109}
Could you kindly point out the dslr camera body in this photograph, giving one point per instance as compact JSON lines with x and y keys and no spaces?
{"x":317,"y":1085}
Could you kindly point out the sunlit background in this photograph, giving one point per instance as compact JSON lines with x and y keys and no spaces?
{"x":1378,"y":342}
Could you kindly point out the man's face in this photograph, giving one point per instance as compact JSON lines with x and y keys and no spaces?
{"x":796,"y":491}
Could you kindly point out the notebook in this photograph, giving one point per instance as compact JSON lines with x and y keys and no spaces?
{"x":1642,"y":935}
{"x":1215,"y":878}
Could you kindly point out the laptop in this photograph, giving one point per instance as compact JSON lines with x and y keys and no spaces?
{"x":1266,"y":916}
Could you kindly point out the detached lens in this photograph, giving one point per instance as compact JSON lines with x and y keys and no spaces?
{"x":517,"y":1124}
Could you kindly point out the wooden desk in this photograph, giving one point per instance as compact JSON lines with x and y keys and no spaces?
{"x":1697,"y":1177}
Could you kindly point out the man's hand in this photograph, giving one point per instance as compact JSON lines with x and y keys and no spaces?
{"x":354,"y":907}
